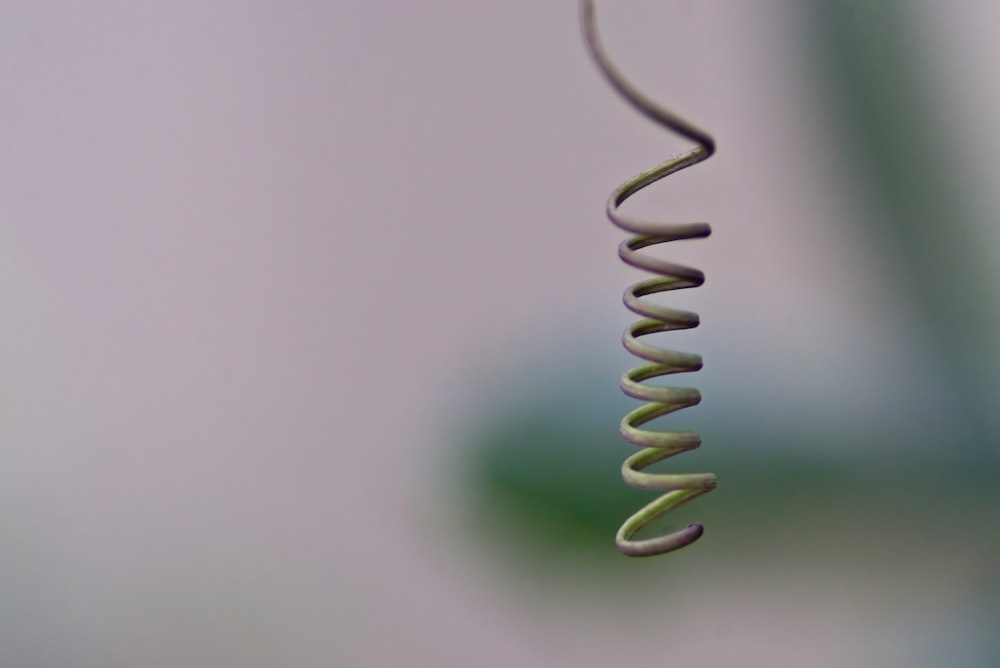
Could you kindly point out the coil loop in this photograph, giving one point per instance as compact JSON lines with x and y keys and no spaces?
{"x":656,"y":445}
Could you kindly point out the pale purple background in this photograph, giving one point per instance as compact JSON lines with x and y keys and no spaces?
{"x":252,"y":254}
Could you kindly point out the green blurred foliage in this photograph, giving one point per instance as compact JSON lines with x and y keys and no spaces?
{"x":551,"y":475}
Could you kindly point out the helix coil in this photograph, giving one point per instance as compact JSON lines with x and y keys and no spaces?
{"x":656,"y":445}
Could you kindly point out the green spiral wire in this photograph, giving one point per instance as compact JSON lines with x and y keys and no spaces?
{"x":656,"y":445}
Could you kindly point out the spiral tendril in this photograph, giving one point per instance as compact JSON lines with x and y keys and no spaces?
{"x":656,"y":445}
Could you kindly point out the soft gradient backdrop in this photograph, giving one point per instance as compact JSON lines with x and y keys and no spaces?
{"x":310,"y":345}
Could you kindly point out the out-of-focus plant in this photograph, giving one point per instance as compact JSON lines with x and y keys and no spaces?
{"x":867,"y":65}
{"x":553,"y":469}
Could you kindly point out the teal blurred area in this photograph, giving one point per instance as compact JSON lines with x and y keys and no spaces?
{"x":311,"y":352}
{"x":894,"y":551}
{"x":555,"y":467}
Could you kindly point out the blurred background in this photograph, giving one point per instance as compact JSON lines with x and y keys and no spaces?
{"x":311,"y":334}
